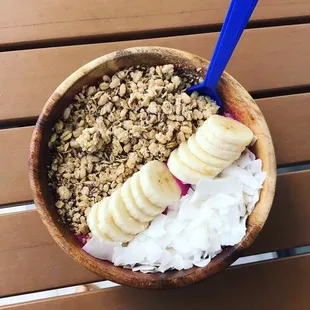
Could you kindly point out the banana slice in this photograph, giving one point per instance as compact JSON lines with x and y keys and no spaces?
{"x":203,"y":131}
{"x":158,"y":184}
{"x":229,"y":130}
{"x":122,"y":217}
{"x":131,"y":205}
{"x":205,"y":157}
{"x":140,"y":199}
{"x":108,"y":226}
{"x":193,"y":162}
{"x":182,"y":171}
{"x":92,"y":222}
{"x":215,"y":150}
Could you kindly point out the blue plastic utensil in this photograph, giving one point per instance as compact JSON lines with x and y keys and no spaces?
{"x":238,"y":15}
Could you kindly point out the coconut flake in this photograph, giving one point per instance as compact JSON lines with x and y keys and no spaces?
{"x":135,"y":252}
{"x":175,"y":227}
{"x":117,"y":258}
{"x":251,"y":205}
{"x":255,"y":166}
{"x":220,"y":201}
{"x":211,"y":187}
{"x":243,"y":175}
{"x":202,"y":262}
{"x":156,"y":229}
{"x":244,"y":160}
{"x":187,"y":212}
{"x":260,"y":177}
{"x":166,"y":240}
{"x":182,"y":245}
{"x":177,"y":262}
{"x":247,"y":198}
{"x":199,"y":239}
{"x":248,"y":190}
{"x":242,"y":209}
{"x":101,"y":249}
{"x":163,"y":268}
{"x":165,"y":258}
{"x":144,"y":269}
{"x":187,"y":264}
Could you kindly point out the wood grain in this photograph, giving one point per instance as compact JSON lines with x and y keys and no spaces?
{"x":287,"y":118}
{"x":294,"y":110}
{"x":268,"y":58}
{"x":37,"y":20}
{"x":287,"y":225}
{"x":280,"y":284}
{"x":14,"y":181}
{"x":30,"y":260}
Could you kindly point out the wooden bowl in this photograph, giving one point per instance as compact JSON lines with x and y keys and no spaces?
{"x":237,"y":101}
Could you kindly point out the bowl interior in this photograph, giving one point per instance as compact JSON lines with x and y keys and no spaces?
{"x":237,"y":101}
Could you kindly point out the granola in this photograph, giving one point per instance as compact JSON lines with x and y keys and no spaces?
{"x":112,"y":129}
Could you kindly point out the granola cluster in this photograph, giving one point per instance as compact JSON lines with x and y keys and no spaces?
{"x":112,"y":129}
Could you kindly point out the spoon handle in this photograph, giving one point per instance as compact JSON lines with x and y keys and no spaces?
{"x":237,"y":17}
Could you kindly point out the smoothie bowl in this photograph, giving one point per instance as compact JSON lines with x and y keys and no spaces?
{"x":146,"y":185}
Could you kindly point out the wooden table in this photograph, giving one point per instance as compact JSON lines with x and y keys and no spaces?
{"x":43,"y":41}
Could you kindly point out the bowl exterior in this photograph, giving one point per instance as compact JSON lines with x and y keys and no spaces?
{"x":237,"y":101}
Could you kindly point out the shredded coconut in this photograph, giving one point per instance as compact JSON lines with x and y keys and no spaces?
{"x":210,"y":216}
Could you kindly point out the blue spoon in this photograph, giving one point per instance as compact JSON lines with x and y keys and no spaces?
{"x":237,"y":18}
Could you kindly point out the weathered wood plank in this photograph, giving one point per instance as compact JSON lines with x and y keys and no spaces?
{"x":37,"y":20}
{"x":286,"y":226}
{"x":14,"y":181}
{"x":30,"y":260}
{"x":288,"y":120}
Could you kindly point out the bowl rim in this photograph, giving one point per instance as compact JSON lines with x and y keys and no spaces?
{"x":228,"y":256}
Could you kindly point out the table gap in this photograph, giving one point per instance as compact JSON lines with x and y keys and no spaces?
{"x":279,"y":92}
{"x":8,"y":209}
{"x":20,"y":122}
{"x":293,"y":168}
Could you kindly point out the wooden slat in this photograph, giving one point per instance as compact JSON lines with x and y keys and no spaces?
{"x":37,"y":20}
{"x":287,"y":226}
{"x":280,"y":284}
{"x":287,"y":118}
{"x":29,"y":259}
{"x":267,"y":58}
{"x":288,"y":131}
{"x":14,"y":181}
